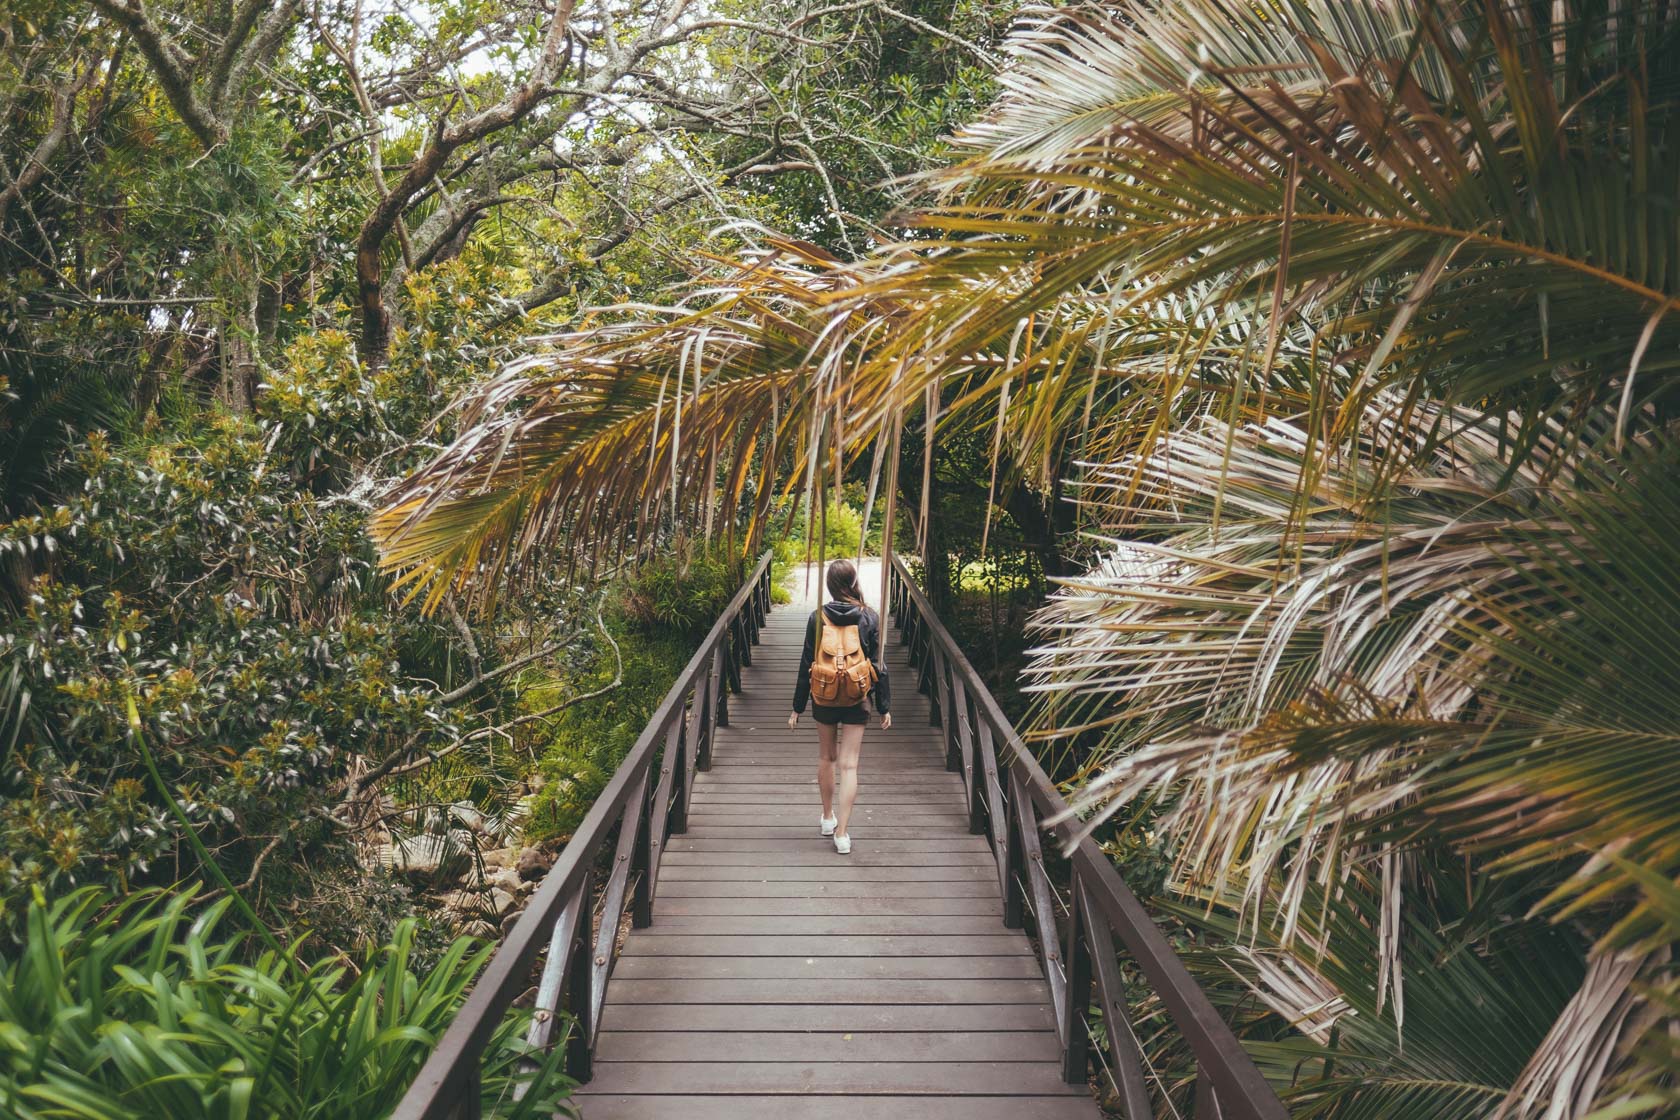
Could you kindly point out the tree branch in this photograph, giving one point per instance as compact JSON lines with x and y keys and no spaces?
{"x":376,"y":320}
{"x":35,"y":164}
{"x":169,"y":65}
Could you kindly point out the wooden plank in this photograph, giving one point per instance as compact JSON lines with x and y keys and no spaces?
{"x":930,"y":778}
{"x":835,"y":925}
{"x":673,"y":907}
{"x":862,"y":812}
{"x":727,"y":763}
{"x":834,"y":968}
{"x":688,"y":1107}
{"x":709,"y":795}
{"x":823,"y":990}
{"x":796,"y":832}
{"x":827,"y":890}
{"x":828,"y":1046}
{"x":814,"y":843}
{"x":827,"y":1017}
{"x":838,"y":870}
{"x":942,"y":1079}
{"x":819,"y":945}
{"x":818,"y":857}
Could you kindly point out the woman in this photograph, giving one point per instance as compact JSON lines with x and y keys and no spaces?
{"x":840,"y":730}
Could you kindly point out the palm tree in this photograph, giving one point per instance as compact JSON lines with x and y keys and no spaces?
{"x":1358,"y":313}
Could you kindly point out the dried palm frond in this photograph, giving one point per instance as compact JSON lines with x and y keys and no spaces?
{"x":604,"y":436}
{"x":1483,"y":664}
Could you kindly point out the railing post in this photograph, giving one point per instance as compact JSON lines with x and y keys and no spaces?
{"x":1014,"y":898}
{"x":941,"y":697}
{"x":679,"y":771}
{"x":978,"y":783}
{"x":580,"y":1043}
{"x":731,"y":652}
{"x":641,"y":854}
{"x":742,"y":628}
{"x":1076,"y":957}
{"x":471,"y":1104}
{"x":717,"y":679}
{"x":1125,"y":1058}
{"x":705,"y":696}
{"x":1207,"y":1097}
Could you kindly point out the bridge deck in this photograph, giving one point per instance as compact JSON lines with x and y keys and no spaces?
{"x":879,"y":984}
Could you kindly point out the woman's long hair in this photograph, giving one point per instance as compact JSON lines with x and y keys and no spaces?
{"x":843,"y":583}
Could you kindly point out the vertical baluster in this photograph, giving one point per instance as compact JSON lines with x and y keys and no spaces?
{"x":1076,"y":953}
{"x":641,"y":852}
{"x":731,"y":648}
{"x":1123,"y":1052}
{"x":679,"y":766}
{"x":742,"y":626}
{"x":963,"y":706}
{"x":580,"y":1000}
{"x":613,"y":897}
{"x":1014,"y":900}
{"x":997,"y":815}
{"x":705,"y":695}
{"x":1037,"y":885}
{"x":718,"y":676}
{"x":662,"y":818}
{"x":930,"y":660}
{"x":472,"y":1096}
{"x":1207,"y":1097}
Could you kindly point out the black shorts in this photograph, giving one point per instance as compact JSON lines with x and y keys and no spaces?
{"x":856,"y":714}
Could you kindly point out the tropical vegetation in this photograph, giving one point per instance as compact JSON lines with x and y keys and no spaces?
{"x":1340,"y":334}
{"x":249,"y":254}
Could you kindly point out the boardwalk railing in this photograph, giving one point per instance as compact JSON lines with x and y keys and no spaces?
{"x":644,"y":803}
{"x":1008,"y":795}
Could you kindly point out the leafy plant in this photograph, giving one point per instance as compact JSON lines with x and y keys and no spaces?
{"x":142,"y":1007}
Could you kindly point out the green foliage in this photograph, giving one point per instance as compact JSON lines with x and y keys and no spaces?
{"x":660,"y":612}
{"x":583,"y":745}
{"x":143,"y":1008}
{"x":681,"y":592}
{"x":173,"y":577}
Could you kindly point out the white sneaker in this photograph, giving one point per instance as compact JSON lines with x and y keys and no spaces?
{"x":829,"y":824}
{"x":843,"y":845}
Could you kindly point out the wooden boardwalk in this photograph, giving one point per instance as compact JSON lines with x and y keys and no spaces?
{"x":782,"y":980}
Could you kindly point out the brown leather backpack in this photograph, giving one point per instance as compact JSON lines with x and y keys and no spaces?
{"x":841,"y":676}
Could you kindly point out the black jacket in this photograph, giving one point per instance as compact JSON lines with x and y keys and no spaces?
{"x":869,"y":635}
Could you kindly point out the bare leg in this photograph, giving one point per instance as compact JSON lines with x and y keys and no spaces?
{"x":851,"y":746}
{"x":825,"y":766}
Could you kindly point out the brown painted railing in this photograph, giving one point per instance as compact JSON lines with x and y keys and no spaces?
{"x":1009,"y":795}
{"x":644,"y":803}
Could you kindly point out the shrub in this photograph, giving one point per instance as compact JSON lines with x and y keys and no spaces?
{"x":187,"y":578}
{"x":662,"y":611}
{"x":683,"y":591}
{"x":138,"y":1009}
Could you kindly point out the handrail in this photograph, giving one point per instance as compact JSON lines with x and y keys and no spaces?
{"x":1229,"y":1086}
{"x":561,"y":912}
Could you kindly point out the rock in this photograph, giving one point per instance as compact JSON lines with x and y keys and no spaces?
{"x":534,"y":863}
{"x":499,"y":857}
{"x":463,"y":902}
{"x":510,"y":921}
{"x":479,"y":929}
{"x":500,"y":902}
{"x":507,"y":879}
{"x":466,"y":814}
{"x":428,"y":858}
